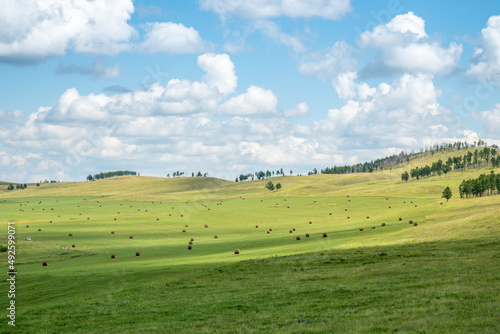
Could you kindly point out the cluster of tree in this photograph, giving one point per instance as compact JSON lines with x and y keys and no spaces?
{"x":478,"y":187}
{"x":110,"y":174}
{"x":261,"y":175}
{"x":483,"y":156}
{"x":200,"y":175}
{"x":270,"y":186}
{"x":18,"y":186}
{"x":398,"y":159}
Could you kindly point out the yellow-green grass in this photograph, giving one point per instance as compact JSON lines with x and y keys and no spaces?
{"x":337,"y":283}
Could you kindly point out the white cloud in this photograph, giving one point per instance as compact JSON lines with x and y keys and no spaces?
{"x":341,"y":57}
{"x":259,"y":9}
{"x":404,"y":46}
{"x":219,"y":72}
{"x":31,"y":31}
{"x":273,"y":31}
{"x":486,"y":60}
{"x":256,"y":100}
{"x":491,"y":121}
{"x":298,"y":110}
{"x":173,"y":38}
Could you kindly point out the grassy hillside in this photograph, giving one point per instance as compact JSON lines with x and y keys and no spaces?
{"x":397,"y":277}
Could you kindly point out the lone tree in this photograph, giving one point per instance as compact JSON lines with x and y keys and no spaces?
{"x":270,"y":186}
{"x":278,"y":186}
{"x":10,"y":187}
{"x":447,"y":193}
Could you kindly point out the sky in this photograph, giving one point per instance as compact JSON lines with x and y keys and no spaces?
{"x":227,"y":87}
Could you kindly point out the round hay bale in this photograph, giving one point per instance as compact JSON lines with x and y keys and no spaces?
{"x":137,"y":253}
{"x":291,"y":231}
{"x":415,"y":205}
{"x":206,"y":226}
{"x":113,"y":256}
{"x":237,"y":251}
{"x":71,"y":234}
{"x":157,"y":219}
{"x":310,"y":222}
{"x":190,"y":242}
{"x":45,"y":263}
{"x":383,"y":224}
{"x":387,"y":198}
{"x":114,"y":218}
{"x":330,"y":213}
{"x":88,"y":218}
{"x":284,"y":199}
{"x":288,"y":207}
{"x":415,"y":224}
{"x":349,"y":200}
{"x":39,"y":229}
{"x":441,"y":203}
{"x":345,"y":209}
{"x":411,"y":202}
{"x":184,"y":231}
{"x":216,"y":236}
{"x":192,"y":239}
{"x":170,"y":215}
{"x":190,"y":247}
{"x":297,"y":237}
{"x":400,"y":219}
{"x":50,"y":221}
{"x":361,"y":229}
{"x":307,"y":235}
{"x":268,"y":232}
{"x":367,"y":217}
{"x":261,"y":200}
{"x":270,"y":229}
{"x":182,"y":215}
{"x":410,"y":222}
{"x":112,"y":232}
{"x":389,"y":207}
{"x":373,"y":227}
{"x":348,"y":217}
{"x":325,"y":235}
{"x":131,"y":237}
{"x":186,"y":225}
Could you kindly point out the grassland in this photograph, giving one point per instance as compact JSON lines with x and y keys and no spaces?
{"x":439,"y":276}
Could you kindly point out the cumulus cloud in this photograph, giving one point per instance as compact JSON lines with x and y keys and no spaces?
{"x":340,"y":58}
{"x":256,"y":100}
{"x":96,"y":70}
{"x":172,"y":38}
{"x":490,"y":120}
{"x":219,"y":72}
{"x":261,"y":9}
{"x":31,"y":31}
{"x":404,"y":46}
{"x":486,"y":60}
{"x":298,"y":110}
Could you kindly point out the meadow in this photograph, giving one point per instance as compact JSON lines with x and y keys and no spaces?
{"x":438,"y":275}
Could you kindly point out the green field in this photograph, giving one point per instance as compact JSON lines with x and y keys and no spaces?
{"x":439,"y":276}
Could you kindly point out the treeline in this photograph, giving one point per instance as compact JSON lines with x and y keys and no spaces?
{"x":261,"y":175}
{"x":478,"y":187}
{"x":483,"y":156}
{"x":398,"y":159}
{"x":110,"y":174}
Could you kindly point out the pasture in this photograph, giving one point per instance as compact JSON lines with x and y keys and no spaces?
{"x":397,"y":277}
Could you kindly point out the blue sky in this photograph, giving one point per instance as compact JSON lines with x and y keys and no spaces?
{"x":232,"y":86}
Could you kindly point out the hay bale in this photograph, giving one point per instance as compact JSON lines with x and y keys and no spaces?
{"x":50,"y":221}
{"x":389,"y":206}
{"x":131,"y":237}
{"x":192,"y":239}
{"x":349,"y":200}
{"x":184,"y":231}
{"x":73,"y":245}
{"x":190,"y":242}
{"x":137,"y":253}
{"x":186,"y":225}
{"x":307,"y":235}
{"x":348,"y":217}
{"x":206,"y":226}
{"x":268,"y":232}
{"x":237,"y":251}
{"x":288,"y":207}
{"x":441,"y":203}
{"x":415,"y":224}
{"x":71,"y":234}
{"x":410,"y":222}
{"x":216,"y":236}
{"x":112,"y":232}
{"x":297,"y":237}
{"x":270,"y":229}
{"x":114,"y":218}
{"x":113,"y":256}
{"x":190,"y":247}
{"x":325,"y":235}
{"x":361,"y":229}
{"x":169,"y":214}
{"x":310,"y":222}
{"x":182,"y":215}
{"x":373,"y":227}
{"x":400,"y":219}
{"x":39,"y":229}
{"x":45,"y":263}
{"x":415,"y":205}
{"x":256,"y":226}
{"x":345,"y":209}
{"x":383,"y":224}
{"x":88,"y":218}
{"x":367,"y":217}
{"x":291,"y":231}
{"x":330,"y":213}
